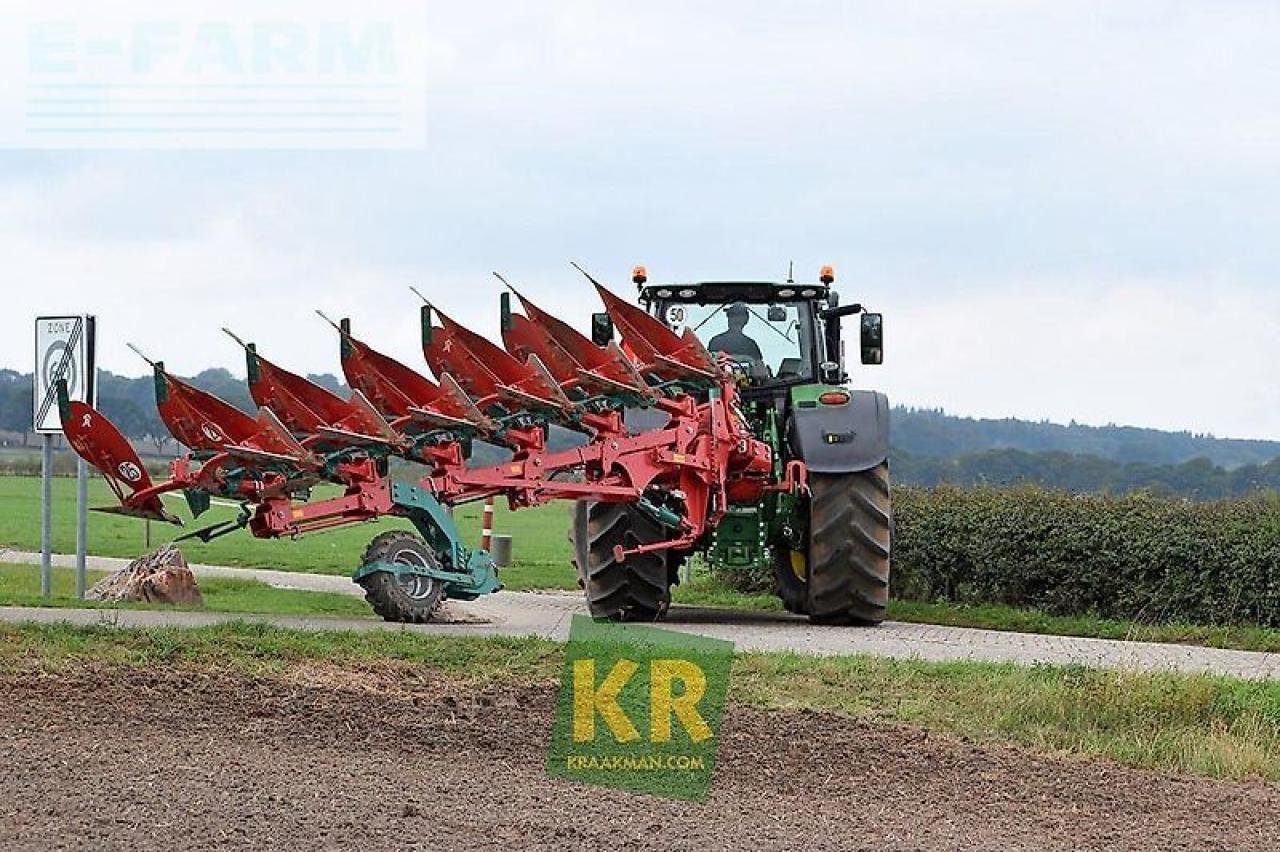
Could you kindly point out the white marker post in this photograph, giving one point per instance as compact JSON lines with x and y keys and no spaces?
{"x":486,"y":526}
{"x":64,"y":351}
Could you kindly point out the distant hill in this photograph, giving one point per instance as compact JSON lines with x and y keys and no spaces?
{"x":130,"y":403}
{"x":926,"y":432}
{"x":1198,"y":479}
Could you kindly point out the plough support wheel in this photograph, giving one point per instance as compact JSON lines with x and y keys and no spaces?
{"x":405,"y":597}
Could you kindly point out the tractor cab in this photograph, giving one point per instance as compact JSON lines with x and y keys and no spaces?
{"x":777,"y":335}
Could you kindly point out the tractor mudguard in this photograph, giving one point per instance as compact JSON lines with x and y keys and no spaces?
{"x":847,"y":438}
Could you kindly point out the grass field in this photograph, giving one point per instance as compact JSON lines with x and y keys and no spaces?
{"x":1211,"y":726}
{"x":541,"y":553}
{"x":541,"y":548}
{"x":20,"y":586}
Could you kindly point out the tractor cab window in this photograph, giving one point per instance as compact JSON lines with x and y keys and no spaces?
{"x":770,"y":341}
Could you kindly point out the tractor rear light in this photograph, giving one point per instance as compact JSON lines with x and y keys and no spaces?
{"x":786,"y":293}
{"x":808,"y":292}
{"x":688,"y":293}
{"x":664,"y":294}
{"x":834,"y":397}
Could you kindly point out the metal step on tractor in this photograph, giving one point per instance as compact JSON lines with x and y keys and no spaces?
{"x":715,"y":417}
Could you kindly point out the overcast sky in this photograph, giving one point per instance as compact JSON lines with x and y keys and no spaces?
{"x":1064,"y":210}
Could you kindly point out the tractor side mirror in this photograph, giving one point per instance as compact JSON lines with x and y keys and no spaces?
{"x":872,"y":338}
{"x":777,"y":313}
{"x":601,"y":329}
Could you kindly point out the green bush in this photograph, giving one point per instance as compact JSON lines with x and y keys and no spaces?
{"x":1136,"y":557}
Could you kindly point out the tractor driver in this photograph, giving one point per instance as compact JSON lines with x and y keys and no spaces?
{"x":733,"y":342}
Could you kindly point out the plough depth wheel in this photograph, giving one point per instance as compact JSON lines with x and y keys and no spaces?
{"x":406,"y":597}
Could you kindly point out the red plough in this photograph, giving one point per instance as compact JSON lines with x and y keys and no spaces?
{"x":682,"y":476}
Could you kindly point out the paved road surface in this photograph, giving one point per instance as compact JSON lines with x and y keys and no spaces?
{"x":548,"y":615}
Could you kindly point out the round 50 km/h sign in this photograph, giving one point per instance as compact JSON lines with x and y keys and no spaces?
{"x":64,"y":350}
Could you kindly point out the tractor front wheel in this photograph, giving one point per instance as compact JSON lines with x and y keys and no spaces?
{"x":410,"y":598}
{"x":636,"y":589}
{"x":790,"y":579}
{"x":849,"y":547}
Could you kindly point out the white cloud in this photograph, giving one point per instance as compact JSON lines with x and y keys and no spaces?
{"x":1172,"y":355}
{"x":1065,"y":210}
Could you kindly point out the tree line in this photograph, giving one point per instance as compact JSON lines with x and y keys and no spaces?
{"x":929,"y":446}
{"x":933,"y":432}
{"x":1198,"y":479}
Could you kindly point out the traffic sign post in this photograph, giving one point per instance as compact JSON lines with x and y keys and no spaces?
{"x":46,"y":515}
{"x":82,"y":524}
{"x":64,"y":352}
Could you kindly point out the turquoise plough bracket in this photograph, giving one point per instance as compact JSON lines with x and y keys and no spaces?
{"x":474,"y":573}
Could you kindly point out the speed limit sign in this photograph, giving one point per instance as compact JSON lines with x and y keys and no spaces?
{"x":64,"y":350}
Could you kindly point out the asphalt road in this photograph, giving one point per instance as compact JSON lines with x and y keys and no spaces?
{"x":549,"y":615}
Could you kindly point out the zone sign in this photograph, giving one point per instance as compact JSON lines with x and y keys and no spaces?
{"x":64,"y":350}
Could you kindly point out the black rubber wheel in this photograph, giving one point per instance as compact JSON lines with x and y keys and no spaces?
{"x":578,"y":541}
{"x":637,"y":589}
{"x":790,"y":572}
{"x":409,"y":598}
{"x":850,"y":517}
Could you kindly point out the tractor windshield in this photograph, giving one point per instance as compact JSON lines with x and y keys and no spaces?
{"x":773,"y":341}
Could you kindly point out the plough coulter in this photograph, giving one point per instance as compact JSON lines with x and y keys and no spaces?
{"x":749,"y":450}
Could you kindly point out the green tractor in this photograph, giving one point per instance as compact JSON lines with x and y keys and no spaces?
{"x":826,"y":553}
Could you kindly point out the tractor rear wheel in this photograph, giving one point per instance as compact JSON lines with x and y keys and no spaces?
{"x":410,"y":598}
{"x":849,"y":546}
{"x":637,"y":589}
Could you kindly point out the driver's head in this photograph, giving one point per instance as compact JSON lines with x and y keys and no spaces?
{"x":737,"y":315}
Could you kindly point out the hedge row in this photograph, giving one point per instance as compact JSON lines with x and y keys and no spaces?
{"x":1135,"y":557}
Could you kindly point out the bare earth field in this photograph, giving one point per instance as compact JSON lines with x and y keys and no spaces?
{"x":99,"y":757}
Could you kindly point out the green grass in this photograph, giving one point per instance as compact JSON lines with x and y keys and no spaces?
{"x":1213,"y":726}
{"x":20,"y":586}
{"x":540,"y":546}
{"x":710,"y":591}
{"x":541,"y":554}
{"x":259,"y":649}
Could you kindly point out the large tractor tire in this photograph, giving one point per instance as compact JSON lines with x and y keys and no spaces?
{"x":578,"y":540}
{"x":637,"y":589}
{"x":401,"y":597}
{"x":850,"y":519}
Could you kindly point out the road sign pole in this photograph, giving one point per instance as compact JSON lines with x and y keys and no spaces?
{"x":82,"y":523}
{"x":46,"y":516}
{"x":64,"y":356}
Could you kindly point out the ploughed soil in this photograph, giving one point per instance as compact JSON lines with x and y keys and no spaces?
{"x":103,"y":757}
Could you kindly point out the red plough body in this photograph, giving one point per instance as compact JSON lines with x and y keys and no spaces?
{"x":687,"y":472}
